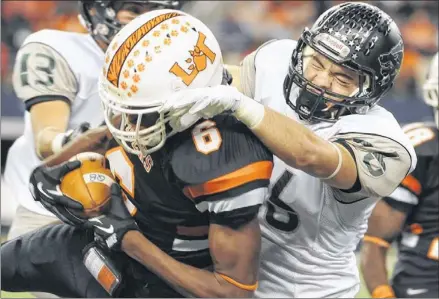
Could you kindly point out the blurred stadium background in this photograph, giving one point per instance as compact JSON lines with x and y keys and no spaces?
{"x":240,"y":27}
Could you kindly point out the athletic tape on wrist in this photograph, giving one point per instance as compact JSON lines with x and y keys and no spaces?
{"x":57,"y":143}
{"x":38,"y":140}
{"x":249,"y":112}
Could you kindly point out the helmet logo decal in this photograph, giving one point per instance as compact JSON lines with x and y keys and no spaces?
{"x":115,"y":68}
{"x":198,"y":61}
{"x":333,"y":44}
{"x":374,"y":163}
{"x":390,"y":61}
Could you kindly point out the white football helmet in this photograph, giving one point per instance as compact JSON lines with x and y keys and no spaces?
{"x":431,"y":87}
{"x":155,"y":55}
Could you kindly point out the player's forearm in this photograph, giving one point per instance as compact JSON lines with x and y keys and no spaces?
{"x":373,"y":267}
{"x":48,"y":127}
{"x":301,"y":148}
{"x":198,"y":282}
{"x":94,"y":140}
{"x":45,"y":141}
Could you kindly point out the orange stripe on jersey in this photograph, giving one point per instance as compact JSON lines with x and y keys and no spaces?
{"x":378,"y":241}
{"x":247,"y":287}
{"x":416,"y":228}
{"x":411,"y":183}
{"x":256,"y":171}
{"x":383,"y":291}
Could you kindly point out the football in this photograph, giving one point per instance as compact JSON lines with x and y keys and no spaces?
{"x":90,"y":184}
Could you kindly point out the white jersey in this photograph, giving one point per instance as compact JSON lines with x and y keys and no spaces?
{"x":310,"y":229}
{"x":52,"y":64}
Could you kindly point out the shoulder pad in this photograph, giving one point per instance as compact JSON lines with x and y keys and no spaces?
{"x":216,"y":148}
{"x":50,"y":37}
{"x":424,"y":138}
{"x":70,"y":45}
{"x":42,"y":72}
{"x":377,"y":122}
{"x":274,"y":51}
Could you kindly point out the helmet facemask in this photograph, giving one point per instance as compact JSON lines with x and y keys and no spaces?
{"x":312,"y":102}
{"x":140,"y":129}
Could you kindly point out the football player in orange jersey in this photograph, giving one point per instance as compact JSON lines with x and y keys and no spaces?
{"x":409,"y":217}
{"x":189,"y":227}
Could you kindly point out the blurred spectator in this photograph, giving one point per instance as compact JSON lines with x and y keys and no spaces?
{"x":420,"y":32}
{"x":5,"y":60}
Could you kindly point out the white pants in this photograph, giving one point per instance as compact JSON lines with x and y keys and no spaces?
{"x":26,"y":221}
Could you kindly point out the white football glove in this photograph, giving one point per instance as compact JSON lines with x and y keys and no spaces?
{"x":182,"y":120}
{"x":207,"y":102}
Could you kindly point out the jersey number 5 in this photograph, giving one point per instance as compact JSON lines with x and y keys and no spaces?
{"x":279,"y":215}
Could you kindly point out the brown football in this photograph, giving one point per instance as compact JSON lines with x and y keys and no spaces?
{"x":90,"y":184}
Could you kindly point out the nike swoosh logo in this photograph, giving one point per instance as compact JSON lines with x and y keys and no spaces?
{"x":40,"y":188}
{"x":412,"y":292}
{"x":56,"y":192}
{"x":108,"y":230}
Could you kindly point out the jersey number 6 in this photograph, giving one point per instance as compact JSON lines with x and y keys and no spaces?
{"x":206,"y":137}
{"x":279,"y":215}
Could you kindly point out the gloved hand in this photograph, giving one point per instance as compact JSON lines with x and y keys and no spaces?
{"x":111,"y":227}
{"x":207,"y":102}
{"x":44,"y":187}
{"x":181,"y":120}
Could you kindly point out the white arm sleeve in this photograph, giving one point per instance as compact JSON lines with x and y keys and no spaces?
{"x":382,"y":163}
{"x":40,"y":70}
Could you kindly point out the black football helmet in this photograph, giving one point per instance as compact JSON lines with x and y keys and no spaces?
{"x":354,"y":35}
{"x":99,"y":16}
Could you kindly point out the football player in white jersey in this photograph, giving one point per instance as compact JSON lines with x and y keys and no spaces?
{"x":56,"y":75}
{"x":336,"y":150}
